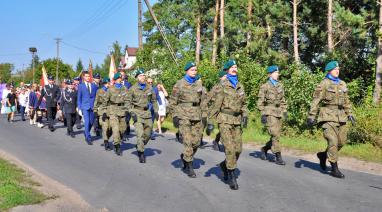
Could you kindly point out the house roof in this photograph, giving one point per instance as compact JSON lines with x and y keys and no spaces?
{"x":132,"y":51}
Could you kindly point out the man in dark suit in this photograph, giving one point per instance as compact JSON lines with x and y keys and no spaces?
{"x":52,"y":94}
{"x":69,"y":105}
{"x":85,"y":100}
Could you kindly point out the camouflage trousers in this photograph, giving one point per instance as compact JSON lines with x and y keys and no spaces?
{"x":336,"y":136}
{"x":233,"y":145}
{"x":143,"y":128}
{"x":273,"y":126}
{"x":191,"y":132}
{"x":118,"y":126}
{"x":106,"y":129}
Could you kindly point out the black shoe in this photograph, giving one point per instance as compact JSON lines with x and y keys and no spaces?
{"x":106,"y":145}
{"x":189,"y":170}
{"x":51,"y":129}
{"x":215,"y":146}
{"x":201,"y":146}
{"x":264,"y":153}
{"x":78,"y":127}
{"x":117,"y":149}
{"x":232,"y":180}
{"x":72,"y":135}
{"x":322,"y":156}
{"x":183,"y":162}
{"x":97,"y":133}
{"x":224,"y":169}
{"x":279,"y":159}
{"x":335,"y":172}
{"x":141,"y":156}
{"x":68,"y":133}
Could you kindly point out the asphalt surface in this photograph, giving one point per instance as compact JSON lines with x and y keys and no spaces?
{"x":105,"y":180}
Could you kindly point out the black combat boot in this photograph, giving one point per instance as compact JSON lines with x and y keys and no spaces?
{"x":322,"y":156}
{"x":279,"y":159}
{"x":72,"y":135}
{"x":224,"y":169}
{"x":183,"y":162}
{"x":189,"y":170}
{"x":106,"y":145}
{"x":264,"y":152}
{"x":141,"y":156}
{"x":232,"y":180}
{"x":335,"y":172}
{"x":215,"y":146}
{"x":117,"y":149}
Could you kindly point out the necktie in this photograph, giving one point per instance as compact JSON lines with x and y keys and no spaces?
{"x":88,"y":87}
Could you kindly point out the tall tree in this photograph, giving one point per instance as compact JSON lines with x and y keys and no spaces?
{"x":249,"y":14}
{"x":198,"y":43}
{"x":5,"y":72}
{"x":222,"y":8}
{"x":378,"y":69}
{"x":79,"y":66}
{"x":295,"y":31}
{"x":330,"y":26}
{"x":215,"y":33}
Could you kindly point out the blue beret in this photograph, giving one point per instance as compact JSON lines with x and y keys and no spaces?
{"x":229,"y":64}
{"x":189,"y":65}
{"x":97,"y":76}
{"x":68,"y":82}
{"x":272,"y":69}
{"x":222,"y":73}
{"x":50,"y":77}
{"x":76,"y":78}
{"x":139,"y":72}
{"x":105,"y":80}
{"x":331,"y":65}
{"x":117,"y":75}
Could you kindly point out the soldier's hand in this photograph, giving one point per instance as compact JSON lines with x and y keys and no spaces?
{"x":204,"y":121}
{"x":175,"y":122}
{"x":104,"y":117}
{"x":285,"y":115}
{"x":352,"y":119}
{"x":134,"y":117}
{"x":264,"y":119}
{"x":209,"y":129}
{"x":244,"y":122}
{"x":310,"y":122}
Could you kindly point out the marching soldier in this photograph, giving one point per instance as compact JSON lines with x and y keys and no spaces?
{"x":230,"y":111}
{"x":76,"y":83}
{"x":97,"y":82}
{"x":332,"y":101}
{"x":69,"y":105}
{"x":188,"y":107}
{"x":273,"y":107}
{"x":100,"y":108}
{"x":116,"y":98}
{"x":51,"y":93}
{"x":140,"y":96}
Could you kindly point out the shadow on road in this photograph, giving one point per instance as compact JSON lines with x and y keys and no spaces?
{"x":149,"y":152}
{"x":197,"y":163}
{"x":218,"y":173}
{"x":256,"y":154}
{"x":307,"y":164}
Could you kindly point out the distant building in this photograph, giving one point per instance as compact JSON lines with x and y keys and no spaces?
{"x":129,"y":59}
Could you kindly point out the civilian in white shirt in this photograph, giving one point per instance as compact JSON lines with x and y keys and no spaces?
{"x":161,"y":107}
{"x":23,"y":102}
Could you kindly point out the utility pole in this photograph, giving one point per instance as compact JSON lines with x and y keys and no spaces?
{"x":33,"y":50}
{"x":58,"y":54}
{"x":23,"y":73}
{"x":140,"y":24}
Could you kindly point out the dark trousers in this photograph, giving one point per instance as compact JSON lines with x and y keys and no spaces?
{"x":22,"y":111}
{"x":70,"y":121}
{"x":78,"y":120}
{"x":51,"y":112}
{"x":96,"y":127}
{"x":127,"y":119}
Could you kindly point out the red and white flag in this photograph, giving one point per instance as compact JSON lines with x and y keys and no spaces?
{"x":90,"y":70}
{"x":112,"y":69}
{"x":44,"y":77}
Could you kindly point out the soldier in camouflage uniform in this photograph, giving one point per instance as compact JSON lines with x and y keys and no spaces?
{"x":273,"y":107}
{"x":230,"y":111}
{"x":139,"y":97}
{"x":100,"y":108}
{"x":117,"y":110}
{"x":188,"y":107}
{"x":210,"y":99}
{"x":332,"y":102}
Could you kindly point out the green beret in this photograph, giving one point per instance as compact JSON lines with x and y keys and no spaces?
{"x":272,"y":69}
{"x":106,"y":80}
{"x":189,"y":65}
{"x":222,"y":74}
{"x":229,"y":64}
{"x":139,"y":72}
{"x":117,"y":75}
{"x":331,"y":65}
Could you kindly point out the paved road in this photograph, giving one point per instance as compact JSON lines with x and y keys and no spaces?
{"x":122,"y":184}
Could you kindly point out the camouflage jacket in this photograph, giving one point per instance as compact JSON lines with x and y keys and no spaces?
{"x":271,"y":100}
{"x":116,"y":101}
{"x":100,"y":102}
{"x":188,"y":101}
{"x":229,"y":104}
{"x":332,"y":102}
{"x":138,"y":101}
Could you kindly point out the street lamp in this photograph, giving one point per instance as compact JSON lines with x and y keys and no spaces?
{"x":33,"y":50}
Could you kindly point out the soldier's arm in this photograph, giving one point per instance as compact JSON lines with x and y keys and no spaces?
{"x":214,"y":109}
{"x":317,"y":97}
{"x":204,"y":103}
{"x":347,"y":105}
{"x":283,"y":103}
{"x":174,"y":98}
{"x":244,"y":108}
{"x":96,"y":103}
{"x":129,"y":100}
{"x":261,"y":99}
{"x":58,"y":94}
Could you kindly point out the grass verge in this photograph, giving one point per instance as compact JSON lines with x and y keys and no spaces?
{"x":16,"y":187}
{"x":255,"y":134}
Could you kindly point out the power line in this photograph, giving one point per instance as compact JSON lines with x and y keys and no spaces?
{"x":13,"y":54}
{"x":83,"y":49}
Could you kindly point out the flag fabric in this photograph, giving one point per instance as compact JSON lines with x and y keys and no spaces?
{"x":90,"y":70}
{"x":112,"y":69}
{"x":44,"y":77}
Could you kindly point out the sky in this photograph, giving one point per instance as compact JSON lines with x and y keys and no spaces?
{"x":88,"y":28}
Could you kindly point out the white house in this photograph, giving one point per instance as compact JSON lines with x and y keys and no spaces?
{"x":128,"y":61}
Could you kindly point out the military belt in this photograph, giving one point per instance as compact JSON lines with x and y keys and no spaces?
{"x":141,"y":108}
{"x":230,"y":112}
{"x":341,"y":107}
{"x":274,"y":105}
{"x":119,"y":104}
{"x":191,"y":104}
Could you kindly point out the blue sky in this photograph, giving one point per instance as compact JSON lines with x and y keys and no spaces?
{"x":87,"y":24}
